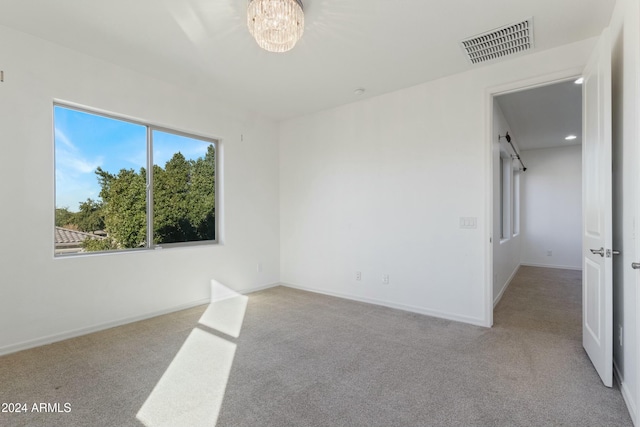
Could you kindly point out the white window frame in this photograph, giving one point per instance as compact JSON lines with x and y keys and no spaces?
{"x":149,"y":190}
{"x":506,"y":175}
{"x":515,"y":205}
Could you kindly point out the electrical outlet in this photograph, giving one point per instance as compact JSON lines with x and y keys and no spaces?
{"x":385,"y":279}
{"x":358,"y":276}
{"x":549,"y":252}
{"x":620,"y":334}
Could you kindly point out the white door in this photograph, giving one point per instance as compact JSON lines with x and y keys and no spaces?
{"x":597,"y":304}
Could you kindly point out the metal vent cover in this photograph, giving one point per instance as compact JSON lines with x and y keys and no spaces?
{"x":500,"y":42}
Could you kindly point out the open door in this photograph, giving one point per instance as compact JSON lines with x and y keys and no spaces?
{"x":597,"y":281}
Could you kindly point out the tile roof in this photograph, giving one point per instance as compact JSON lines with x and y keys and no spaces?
{"x":67,"y":237}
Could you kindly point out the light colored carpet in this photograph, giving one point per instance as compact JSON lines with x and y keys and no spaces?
{"x":303,"y":359}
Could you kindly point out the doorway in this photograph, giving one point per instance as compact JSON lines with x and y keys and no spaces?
{"x":596,"y":212}
{"x":537,"y":180}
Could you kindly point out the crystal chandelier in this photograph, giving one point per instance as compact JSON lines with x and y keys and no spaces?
{"x":276,"y":24}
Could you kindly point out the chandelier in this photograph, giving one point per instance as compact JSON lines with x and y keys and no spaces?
{"x":276,"y":24}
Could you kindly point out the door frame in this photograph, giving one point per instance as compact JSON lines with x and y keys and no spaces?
{"x":633,"y":407}
{"x":490,"y":94}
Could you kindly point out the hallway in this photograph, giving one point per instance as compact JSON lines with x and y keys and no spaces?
{"x":544,"y":301}
{"x":541,"y":312}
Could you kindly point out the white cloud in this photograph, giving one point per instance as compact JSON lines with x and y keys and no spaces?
{"x":75,"y":181}
{"x":69,"y":159}
{"x":62,"y":137}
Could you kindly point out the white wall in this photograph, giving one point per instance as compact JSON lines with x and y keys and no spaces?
{"x":552,"y":207}
{"x":506,"y":252}
{"x":625,"y":34}
{"x":378,"y":186}
{"x":42,"y":298}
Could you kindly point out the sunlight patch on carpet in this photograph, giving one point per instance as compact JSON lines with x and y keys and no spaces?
{"x":226,"y":315}
{"x":191,"y":391}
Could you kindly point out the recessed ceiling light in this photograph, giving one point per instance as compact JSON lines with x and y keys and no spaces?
{"x":359,"y":91}
{"x":571,"y":137}
{"x":579,"y":81}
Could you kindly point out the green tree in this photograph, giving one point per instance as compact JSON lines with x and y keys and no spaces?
{"x":124,"y":204}
{"x":183,"y":204}
{"x":93,"y":245}
{"x":202,"y":196}
{"x":184,"y":199}
{"x":90,"y":216}
{"x":64,"y":217}
{"x":170,"y":197}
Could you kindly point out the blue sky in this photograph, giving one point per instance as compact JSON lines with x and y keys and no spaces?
{"x":85,"y":141}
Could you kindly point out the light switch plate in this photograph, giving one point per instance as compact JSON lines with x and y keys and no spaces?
{"x":468,"y":222}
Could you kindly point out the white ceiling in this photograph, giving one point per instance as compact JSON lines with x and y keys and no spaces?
{"x":380,"y":45}
{"x":542,"y":117}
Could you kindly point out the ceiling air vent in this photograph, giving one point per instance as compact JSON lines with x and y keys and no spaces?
{"x":500,"y":42}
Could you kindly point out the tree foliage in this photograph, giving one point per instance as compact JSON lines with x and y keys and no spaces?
{"x":124,"y":198}
{"x":183,"y":205}
{"x":184,"y":199}
{"x":90,"y":216}
{"x":64,"y":217}
{"x":93,"y":245}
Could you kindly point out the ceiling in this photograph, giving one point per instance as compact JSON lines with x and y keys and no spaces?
{"x":544,"y":116}
{"x":379,"y":45}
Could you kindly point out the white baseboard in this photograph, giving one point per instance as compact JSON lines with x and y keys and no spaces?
{"x":563,"y":267}
{"x":404,"y":307}
{"x":49,"y":339}
{"x":497,"y":298}
{"x":626,"y":395}
{"x":12,"y":348}
{"x":258,"y":288}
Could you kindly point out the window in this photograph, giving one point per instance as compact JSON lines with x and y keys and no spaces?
{"x":108,"y":198}
{"x":501,"y":198}
{"x":509,"y":197}
{"x":515,"y":209}
{"x":505,"y":196}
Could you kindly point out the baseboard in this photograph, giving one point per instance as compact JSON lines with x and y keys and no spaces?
{"x":497,"y":299}
{"x":258,"y":288}
{"x":404,"y":307}
{"x":563,"y":267}
{"x":25,"y":345}
{"x":626,"y":395}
